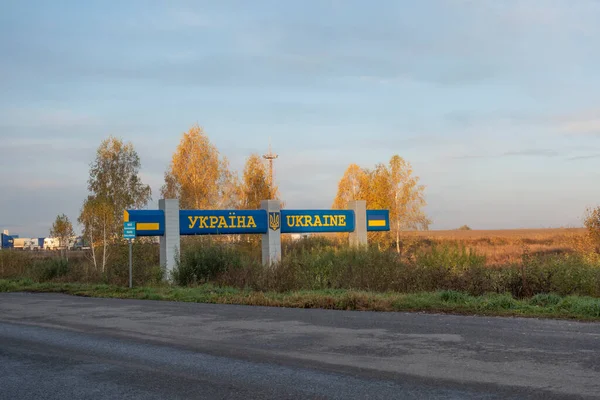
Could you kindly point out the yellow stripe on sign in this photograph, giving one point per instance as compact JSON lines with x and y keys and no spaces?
{"x":375,"y":222}
{"x":147,"y":226}
{"x":125,"y":216}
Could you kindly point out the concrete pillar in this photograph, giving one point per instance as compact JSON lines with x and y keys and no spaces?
{"x":271,"y":241}
{"x":359,"y":236}
{"x":170,"y":243}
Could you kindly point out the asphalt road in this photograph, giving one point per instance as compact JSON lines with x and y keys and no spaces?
{"x":56,"y":346}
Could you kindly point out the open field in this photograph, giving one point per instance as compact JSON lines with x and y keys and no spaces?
{"x":503,"y":246}
{"x":538,"y":234}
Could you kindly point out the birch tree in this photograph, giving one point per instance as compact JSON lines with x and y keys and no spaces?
{"x":352,"y":186}
{"x":255,"y":183}
{"x":407,"y":198}
{"x":114,"y":185}
{"x":198,"y":176}
{"x":393,"y":187}
{"x":97,"y":218}
{"x":114,"y":179}
{"x":230,"y":190}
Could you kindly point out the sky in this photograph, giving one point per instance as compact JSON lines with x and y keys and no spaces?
{"x":495,"y":104}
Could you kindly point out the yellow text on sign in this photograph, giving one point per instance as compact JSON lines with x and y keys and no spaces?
{"x":221,"y":222}
{"x":316,"y":220}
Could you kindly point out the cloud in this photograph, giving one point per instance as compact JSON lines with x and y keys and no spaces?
{"x":45,"y":118}
{"x":48,"y":155}
{"x":243,"y":49}
{"x":586,"y":157}
{"x":579,"y":121}
{"x":532,"y":153}
{"x":284,"y":48}
{"x":43,"y":184}
{"x":583,"y":126}
{"x":512,"y":153}
{"x":582,"y":121}
{"x":173,"y":20}
{"x":498,"y":119}
{"x":556,"y":14}
{"x":470,"y":156}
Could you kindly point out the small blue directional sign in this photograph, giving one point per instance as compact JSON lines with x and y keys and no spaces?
{"x":129,"y":230}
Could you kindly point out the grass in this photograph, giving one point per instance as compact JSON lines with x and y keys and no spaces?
{"x":454,"y":302}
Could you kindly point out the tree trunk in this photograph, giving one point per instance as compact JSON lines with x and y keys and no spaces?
{"x":104,"y":246}
{"x":398,"y":237}
{"x":93,"y":248}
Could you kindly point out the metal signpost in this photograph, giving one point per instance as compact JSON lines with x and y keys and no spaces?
{"x":129,"y":233}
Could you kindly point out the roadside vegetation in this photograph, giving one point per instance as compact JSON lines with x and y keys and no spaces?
{"x":320,"y":272}
{"x":542,"y":305}
{"x":320,"y":264}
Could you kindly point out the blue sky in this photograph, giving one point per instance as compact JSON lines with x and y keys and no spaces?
{"x":496,"y":104}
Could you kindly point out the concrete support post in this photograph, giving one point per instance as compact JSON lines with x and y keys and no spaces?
{"x":359,"y":236}
{"x":271,"y":241}
{"x":170,"y":243}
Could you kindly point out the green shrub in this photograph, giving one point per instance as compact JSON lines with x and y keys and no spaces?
{"x":580,"y":305}
{"x":316,"y":263}
{"x":545,"y":299}
{"x":498,"y":301}
{"x":324,"y":267}
{"x":202,"y":262}
{"x":453,"y":296}
{"x":50,"y":268}
{"x":563,"y":274}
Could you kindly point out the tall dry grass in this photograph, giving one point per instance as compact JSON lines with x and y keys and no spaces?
{"x":503,"y":247}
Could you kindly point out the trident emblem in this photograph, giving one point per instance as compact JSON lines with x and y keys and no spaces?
{"x":274,"y":221}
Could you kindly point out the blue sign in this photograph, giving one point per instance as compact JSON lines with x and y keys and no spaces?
{"x":310,"y":221}
{"x":222,"y":222}
{"x":147,"y":222}
{"x":378,"y":220}
{"x":129,"y":230}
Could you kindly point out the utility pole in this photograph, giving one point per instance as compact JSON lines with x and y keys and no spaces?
{"x":270,"y":157}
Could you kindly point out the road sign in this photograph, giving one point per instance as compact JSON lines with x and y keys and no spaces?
{"x":129,"y":230}
{"x":129,"y":233}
